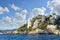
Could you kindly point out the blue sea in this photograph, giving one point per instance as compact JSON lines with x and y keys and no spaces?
{"x":28,"y":37}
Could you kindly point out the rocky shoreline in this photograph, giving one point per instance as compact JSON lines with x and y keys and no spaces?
{"x":39,"y":31}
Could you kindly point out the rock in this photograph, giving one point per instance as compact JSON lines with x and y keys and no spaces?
{"x":15,"y":32}
{"x":56,"y":32}
{"x":30,"y":22}
{"x":51,"y":27}
{"x":36,"y":24}
{"x":37,"y":31}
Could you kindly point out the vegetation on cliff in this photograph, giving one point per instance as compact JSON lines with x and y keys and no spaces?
{"x":43,"y":21}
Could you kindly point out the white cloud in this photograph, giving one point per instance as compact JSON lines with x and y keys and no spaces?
{"x":54,"y":5}
{"x":38,"y":11}
{"x":6,"y":9}
{"x":24,"y":13}
{"x":7,"y":19}
{"x":21,"y":16}
{"x":16,"y":8}
{"x":3,"y":10}
{"x":1,"y":22}
{"x":18,"y":20}
{"x":18,"y":16}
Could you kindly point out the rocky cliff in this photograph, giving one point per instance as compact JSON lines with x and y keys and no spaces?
{"x":41,"y":24}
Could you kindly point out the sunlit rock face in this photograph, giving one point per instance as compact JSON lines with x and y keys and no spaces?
{"x":36,"y":24}
{"x":43,"y":18}
{"x":51,"y":27}
{"x":56,"y":32}
{"x":15,"y":32}
{"x":53,"y":18}
{"x":36,"y":31}
{"x":38,"y":21}
{"x":30,"y":22}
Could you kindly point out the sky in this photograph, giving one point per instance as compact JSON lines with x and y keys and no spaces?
{"x":15,"y":13}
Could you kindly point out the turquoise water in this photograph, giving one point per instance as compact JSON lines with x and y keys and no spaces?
{"x":28,"y":37}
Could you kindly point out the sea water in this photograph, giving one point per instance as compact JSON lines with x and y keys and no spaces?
{"x":28,"y":37}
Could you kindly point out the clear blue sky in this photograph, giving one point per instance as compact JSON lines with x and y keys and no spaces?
{"x":22,"y":4}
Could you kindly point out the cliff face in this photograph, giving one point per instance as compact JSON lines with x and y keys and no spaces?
{"x":35,"y":22}
{"x":41,"y":24}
